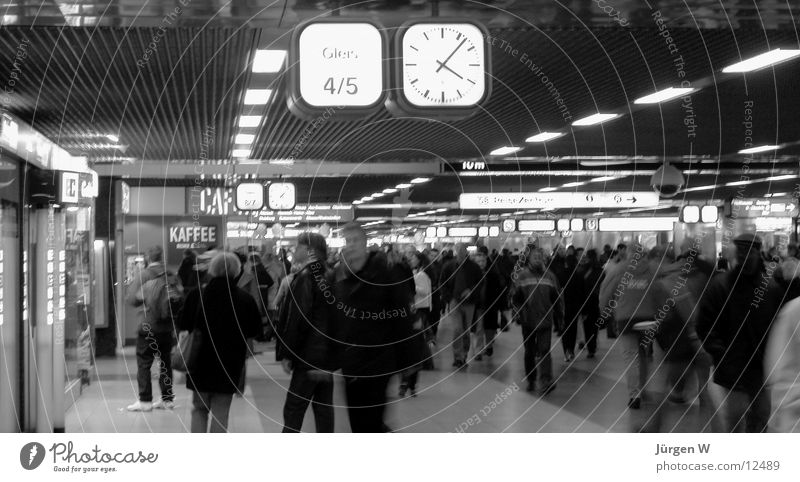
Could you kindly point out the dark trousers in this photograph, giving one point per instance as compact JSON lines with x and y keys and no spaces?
{"x":537,"y":345}
{"x":570,"y":333}
{"x":148,"y":346}
{"x":309,"y":386}
{"x":366,"y":402}
{"x":590,"y":331}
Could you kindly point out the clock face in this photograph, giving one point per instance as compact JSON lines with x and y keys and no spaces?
{"x":443,"y":65}
{"x":281,"y":196}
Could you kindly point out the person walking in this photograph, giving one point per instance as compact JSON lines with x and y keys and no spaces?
{"x":374,"y":329}
{"x":422,"y":316}
{"x":227,"y":317}
{"x":574,"y":295}
{"x":304,"y":345}
{"x":733,"y":323}
{"x":536,"y":299}
{"x":592,"y":275}
{"x":156,"y":332}
{"x":460,"y":277}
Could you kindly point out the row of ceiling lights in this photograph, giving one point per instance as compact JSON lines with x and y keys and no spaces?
{"x":391,"y":190}
{"x":265,"y":61}
{"x":761,"y":61}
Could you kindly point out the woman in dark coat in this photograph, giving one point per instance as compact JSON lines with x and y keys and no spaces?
{"x":574,"y":296}
{"x":227,"y":317}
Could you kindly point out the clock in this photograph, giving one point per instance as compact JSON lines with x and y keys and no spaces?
{"x":249,"y":196}
{"x":281,"y":196}
{"x":442,"y":68}
{"x":509,"y":225}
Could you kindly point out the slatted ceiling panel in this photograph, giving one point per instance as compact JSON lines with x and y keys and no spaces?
{"x":77,"y":82}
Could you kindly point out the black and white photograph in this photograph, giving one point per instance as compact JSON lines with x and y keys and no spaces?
{"x":382,"y":223}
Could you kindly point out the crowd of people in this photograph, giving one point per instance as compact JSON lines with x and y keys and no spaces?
{"x":372,"y":313}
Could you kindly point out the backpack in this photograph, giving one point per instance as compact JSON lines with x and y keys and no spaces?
{"x":163,"y":301}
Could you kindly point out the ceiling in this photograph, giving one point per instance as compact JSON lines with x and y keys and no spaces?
{"x":172,"y":92}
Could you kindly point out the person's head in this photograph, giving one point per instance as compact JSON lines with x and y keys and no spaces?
{"x":607,"y":248}
{"x":591,"y":257}
{"x":354,"y":253}
{"x":579,"y":252}
{"x":560,"y":251}
{"x":570,"y":250}
{"x":461,"y":252}
{"x":748,"y":254}
{"x":254,"y":258}
{"x":418,"y":260}
{"x":434,"y":254}
{"x":660,"y":255}
{"x":622,"y":249}
{"x":535,"y":258}
{"x":480,"y":259}
{"x":310,"y":247}
{"x":242,"y":259}
{"x":224,"y":265}
{"x":154,"y":254}
{"x":790,"y":269}
{"x":791,"y":250}
{"x":189,"y":254}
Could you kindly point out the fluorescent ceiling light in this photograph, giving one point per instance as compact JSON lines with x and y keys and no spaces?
{"x":544,"y":136}
{"x":241,"y":153}
{"x":574,"y":184}
{"x":244,"y":139}
{"x":781,"y":178}
{"x":505,"y":150}
{"x":776,"y":194}
{"x":358,"y":201}
{"x":282,"y":162}
{"x":700,"y":188}
{"x":249,"y":120}
{"x":376,"y":195}
{"x":754,"y":150}
{"x":760,"y":61}
{"x":420,"y":180}
{"x":547,"y":189}
{"x":664,"y":95}
{"x":112,"y":138}
{"x":268,"y":61}
{"x":739,"y":183}
{"x":257,"y":96}
{"x":389,"y":190}
{"x":603,"y":179}
{"x":594,"y":119}
{"x":441,"y":210}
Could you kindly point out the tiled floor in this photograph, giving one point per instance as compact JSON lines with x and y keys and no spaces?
{"x":590,"y":397}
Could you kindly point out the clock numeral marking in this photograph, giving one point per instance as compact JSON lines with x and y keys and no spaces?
{"x":470,"y":49}
{"x":458,"y":92}
{"x":426,"y":35}
{"x":442,"y":96}
{"x":459,"y":36}
{"x":414,"y":81}
{"x":473,"y":82}
{"x":414,"y":48}
{"x":442,"y":33}
{"x":427,"y":92}
{"x":411,"y":65}
{"x":474,"y":65}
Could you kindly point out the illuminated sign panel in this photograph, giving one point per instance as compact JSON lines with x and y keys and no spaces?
{"x":536,"y":225}
{"x":337,"y":64}
{"x":509,"y":225}
{"x":249,"y":196}
{"x":758,"y":207}
{"x":557,"y":200}
{"x":70,"y":184}
{"x":638,"y":224}
{"x":462,"y":232}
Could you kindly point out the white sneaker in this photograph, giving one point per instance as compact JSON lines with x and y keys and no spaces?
{"x":140,"y":406}
{"x":163,"y":405}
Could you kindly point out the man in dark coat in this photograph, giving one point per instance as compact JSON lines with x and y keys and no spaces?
{"x":374,"y":329}
{"x":304,"y":338}
{"x":459,"y":286}
{"x":734,"y":319}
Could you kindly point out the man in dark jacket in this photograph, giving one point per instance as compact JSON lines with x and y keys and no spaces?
{"x":304,"y":338}
{"x":374,"y":329}
{"x":733,"y":323}
{"x":459,"y":283}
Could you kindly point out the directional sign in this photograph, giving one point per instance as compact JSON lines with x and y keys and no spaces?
{"x":556,"y":200}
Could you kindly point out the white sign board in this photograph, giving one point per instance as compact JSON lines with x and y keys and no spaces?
{"x":341,"y":64}
{"x":536,"y":225}
{"x":249,"y":196}
{"x":70,"y":182}
{"x":556,"y":200}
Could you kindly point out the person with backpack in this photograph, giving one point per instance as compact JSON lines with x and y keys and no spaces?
{"x":159,"y":294}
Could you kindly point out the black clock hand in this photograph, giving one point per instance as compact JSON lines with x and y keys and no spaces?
{"x":442,"y":64}
{"x":451,"y":70}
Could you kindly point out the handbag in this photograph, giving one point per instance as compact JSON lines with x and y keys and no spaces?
{"x":186,"y":353}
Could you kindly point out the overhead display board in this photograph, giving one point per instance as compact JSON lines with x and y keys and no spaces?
{"x":638,"y":224}
{"x":442,"y":68}
{"x":337,"y":64}
{"x":556,"y":200}
{"x":760,"y":207}
{"x":540,"y":225}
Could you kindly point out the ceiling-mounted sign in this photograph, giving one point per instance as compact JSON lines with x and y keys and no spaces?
{"x":759,"y":207}
{"x":462,"y":232}
{"x":250,"y":196}
{"x":442,"y":68}
{"x":638,"y":224}
{"x":591,"y":224}
{"x":337,"y":64}
{"x":556,"y":200}
{"x":509,"y":225}
{"x":541,"y":225}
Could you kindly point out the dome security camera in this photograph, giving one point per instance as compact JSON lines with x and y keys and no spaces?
{"x":667,"y":181}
